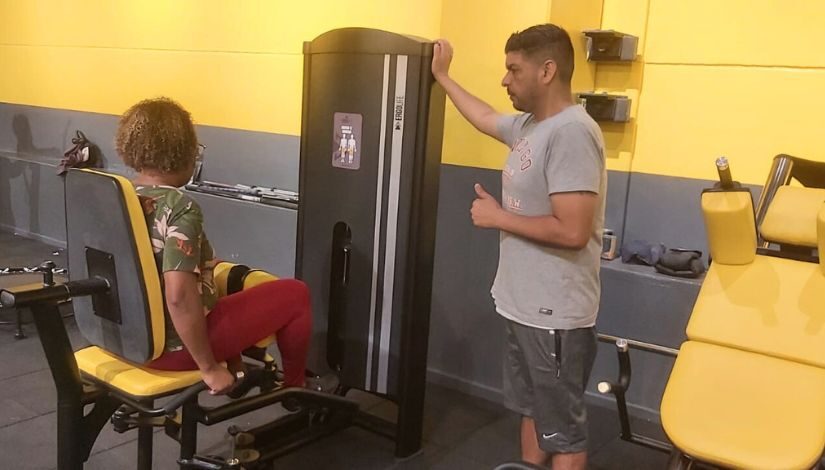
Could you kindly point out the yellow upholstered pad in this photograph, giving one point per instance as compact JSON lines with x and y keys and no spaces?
{"x":791,"y":216}
{"x":772,"y":306}
{"x":132,"y":379}
{"x":730,"y":226}
{"x":221,"y":276}
{"x":258,"y":277}
{"x":744,"y":410}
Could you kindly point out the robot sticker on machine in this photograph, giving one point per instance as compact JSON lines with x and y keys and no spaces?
{"x":346,"y":145}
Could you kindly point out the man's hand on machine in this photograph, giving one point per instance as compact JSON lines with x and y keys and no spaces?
{"x":218,"y":379}
{"x":442,"y":56}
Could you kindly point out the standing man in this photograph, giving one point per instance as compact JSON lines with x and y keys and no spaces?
{"x":552,"y":213}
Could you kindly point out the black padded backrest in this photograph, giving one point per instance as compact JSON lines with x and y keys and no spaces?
{"x":107,"y":237}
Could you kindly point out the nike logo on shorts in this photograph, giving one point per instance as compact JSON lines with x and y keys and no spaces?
{"x":549,"y":436}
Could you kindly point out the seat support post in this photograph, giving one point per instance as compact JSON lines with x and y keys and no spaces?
{"x":145,"y":445}
{"x":76,"y":433}
{"x":58,"y":350}
{"x":19,"y":334}
{"x":189,"y":428}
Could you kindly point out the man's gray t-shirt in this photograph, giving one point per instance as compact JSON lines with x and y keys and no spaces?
{"x":539,"y":285}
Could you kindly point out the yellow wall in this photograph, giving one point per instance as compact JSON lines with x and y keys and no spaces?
{"x":238,"y":64}
{"x":630,"y":17}
{"x":234,"y":64}
{"x":741,"y":78}
{"x":478,"y":31}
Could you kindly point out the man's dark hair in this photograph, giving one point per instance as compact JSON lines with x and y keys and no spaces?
{"x":543,"y":42}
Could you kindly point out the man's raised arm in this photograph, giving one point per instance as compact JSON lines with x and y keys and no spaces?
{"x":480,"y":114}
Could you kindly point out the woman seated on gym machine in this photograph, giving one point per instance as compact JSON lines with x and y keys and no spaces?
{"x":157,"y":139}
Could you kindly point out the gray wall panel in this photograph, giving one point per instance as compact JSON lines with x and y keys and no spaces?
{"x":251,"y":158}
{"x":32,"y":199}
{"x":614,"y":211}
{"x":639,"y":303}
{"x":33,"y":140}
{"x":47,"y":132}
{"x":232,"y":156}
{"x":466,"y":340}
{"x":257,"y":235}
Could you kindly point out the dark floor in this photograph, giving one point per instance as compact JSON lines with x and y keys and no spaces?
{"x":460,"y":432}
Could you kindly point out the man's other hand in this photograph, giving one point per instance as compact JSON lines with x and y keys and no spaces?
{"x":485,"y":210}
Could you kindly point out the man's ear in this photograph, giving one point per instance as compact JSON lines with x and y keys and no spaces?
{"x":548,"y":71}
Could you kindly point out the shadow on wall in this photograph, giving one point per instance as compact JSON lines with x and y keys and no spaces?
{"x":31,"y":174}
{"x":9,"y":169}
{"x":25,"y":140}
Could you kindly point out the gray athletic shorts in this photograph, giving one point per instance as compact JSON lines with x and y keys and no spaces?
{"x":545,"y":375}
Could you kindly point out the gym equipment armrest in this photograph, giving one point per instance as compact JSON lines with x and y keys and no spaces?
{"x":57,"y":293}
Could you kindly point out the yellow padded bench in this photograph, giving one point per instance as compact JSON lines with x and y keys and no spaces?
{"x":745,"y":410}
{"x":773,"y":306}
{"x":747,"y":389}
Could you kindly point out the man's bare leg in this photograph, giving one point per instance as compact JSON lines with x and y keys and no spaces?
{"x":577,"y":461}
{"x":530,"y":451}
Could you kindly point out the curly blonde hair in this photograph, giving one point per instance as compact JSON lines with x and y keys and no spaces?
{"x":157,"y":134}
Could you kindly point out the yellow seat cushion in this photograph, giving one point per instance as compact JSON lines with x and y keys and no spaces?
{"x":791,"y":216}
{"x":744,"y":410}
{"x":773,"y":306}
{"x":130,"y":378}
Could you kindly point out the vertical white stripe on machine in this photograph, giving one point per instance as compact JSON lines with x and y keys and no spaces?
{"x":392,"y":221}
{"x":378,"y":210}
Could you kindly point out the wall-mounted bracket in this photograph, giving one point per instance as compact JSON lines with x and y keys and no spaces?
{"x":609,"y":45}
{"x":605,"y":107}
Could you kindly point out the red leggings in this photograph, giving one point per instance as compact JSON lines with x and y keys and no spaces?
{"x":240,"y":320}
